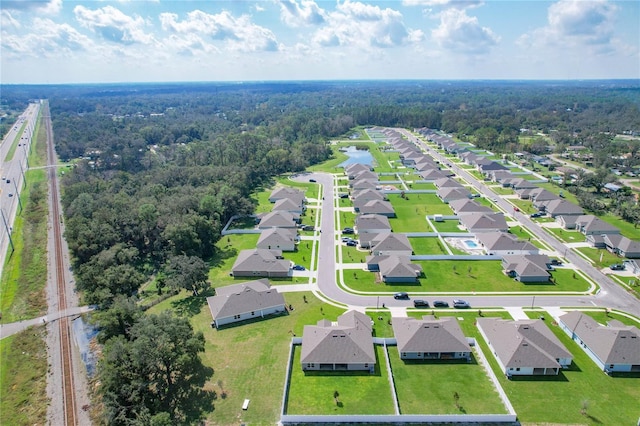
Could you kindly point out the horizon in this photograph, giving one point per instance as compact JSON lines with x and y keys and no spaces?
{"x":48,"y":42}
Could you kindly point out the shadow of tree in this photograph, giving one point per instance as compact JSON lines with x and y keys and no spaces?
{"x":192,"y":305}
{"x":220,"y":255}
{"x":195,"y":400}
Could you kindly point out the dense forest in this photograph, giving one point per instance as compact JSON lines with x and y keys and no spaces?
{"x":160,"y":168}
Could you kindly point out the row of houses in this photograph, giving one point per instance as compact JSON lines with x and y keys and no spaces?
{"x":279,"y":233}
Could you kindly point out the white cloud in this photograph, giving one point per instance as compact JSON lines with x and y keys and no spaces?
{"x":47,"y":39}
{"x":461,"y":33}
{"x":458,"y":4}
{"x":8,"y":21}
{"x":44,"y":7}
{"x":295,"y":14}
{"x":355,"y":24}
{"x":113,"y":25}
{"x":238,"y":34}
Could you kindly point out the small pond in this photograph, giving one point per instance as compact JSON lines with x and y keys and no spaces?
{"x":362,"y":156}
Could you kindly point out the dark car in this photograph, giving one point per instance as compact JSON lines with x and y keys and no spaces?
{"x":538,"y":214}
{"x":298,"y":268}
{"x":555,"y":262}
{"x":440,"y":304}
{"x":312,"y":180}
{"x":617,"y":267}
{"x":419,"y":303}
{"x":308,"y":228}
{"x":348,"y":231}
{"x":401,"y":295}
{"x":346,"y":239}
{"x":461,"y":304}
{"x":344,"y":195}
{"x":352,"y":243}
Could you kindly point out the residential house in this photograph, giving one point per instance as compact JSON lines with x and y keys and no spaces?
{"x":365,"y":174}
{"x":244,"y":301}
{"x":555,"y":208}
{"x":621,"y":245}
{"x":455,"y":193}
{"x":362,"y":197}
{"x":524,"y":347}
{"x":447,"y":183}
{"x":378,"y":207}
{"x":503,"y":243}
{"x":352,"y":169}
{"x":430,"y":338}
{"x":589,"y":225}
{"x":527,"y":268}
{"x":372,"y":223}
{"x":484,"y":222}
{"x":364,"y":184}
{"x":614,"y":347}
{"x":287,"y":192}
{"x":395,"y":269}
{"x":434,"y":174}
{"x":344,"y":346}
{"x":260,"y":263}
{"x":277,"y":239}
{"x":278,"y":219}
{"x":462,"y":206}
{"x":289,"y":205}
{"x":391,"y":243}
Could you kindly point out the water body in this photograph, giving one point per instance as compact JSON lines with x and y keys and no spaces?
{"x":83,"y":333}
{"x":361,"y":156}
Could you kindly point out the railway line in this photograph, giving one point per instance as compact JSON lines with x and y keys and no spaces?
{"x":66,"y":349}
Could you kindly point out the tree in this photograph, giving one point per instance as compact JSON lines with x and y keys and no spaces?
{"x":157,"y":370}
{"x":189,"y":272}
{"x":118,"y":319}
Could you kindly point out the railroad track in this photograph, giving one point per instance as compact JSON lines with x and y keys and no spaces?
{"x":68,"y":388}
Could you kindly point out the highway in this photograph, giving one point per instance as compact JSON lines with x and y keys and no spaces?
{"x":610,"y":295}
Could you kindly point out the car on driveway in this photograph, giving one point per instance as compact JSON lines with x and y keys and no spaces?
{"x":419,"y":303}
{"x":614,"y":267}
{"x":348,"y":231}
{"x":536,"y":214}
{"x":461,"y":304}
{"x":298,"y":268}
{"x":401,"y":295}
{"x":352,"y":243}
{"x":308,"y":228}
{"x":346,"y":239}
{"x":440,"y":304}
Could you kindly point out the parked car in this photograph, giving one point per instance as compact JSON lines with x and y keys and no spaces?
{"x":11,"y":194}
{"x":401,"y":295}
{"x":298,"y":268}
{"x":352,"y":243}
{"x":555,"y":262}
{"x":312,"y":180}
{"x":440,"y":304}
{"x":461,"y":304}
{"x":346,"y":239}
{"x":537,"y":214}
{"x":308,"y":228}
{"x":8,"y":180}
{"x":419,"y":303}
{"x":617,"y":267}
{"x":348,"y":231}
{"x":344,"y":195}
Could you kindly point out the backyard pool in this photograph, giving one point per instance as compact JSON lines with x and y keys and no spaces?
{"x":470,"y":244}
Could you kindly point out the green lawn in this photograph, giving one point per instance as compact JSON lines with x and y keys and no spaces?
{"x":594,"y":254}
{"x":428,"y":387}
{"x":464,"y":276}
{"x":249,"y":354}
{"x":347,"y":219}
{"x":567,"y":236}
{"x":427,"y":245}
{"x":627,"y":229}
{"x":359,"y":392}
{"x":610,"y":400}
{"x":447,"y":226}
{"x":411,"y":212}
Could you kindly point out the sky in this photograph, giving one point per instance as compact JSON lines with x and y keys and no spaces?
{"x":94,"y":41}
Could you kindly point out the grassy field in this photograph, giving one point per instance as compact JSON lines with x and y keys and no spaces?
{"x":411,"y":212}
{"x":359,"y":392}
{"x":464,"y":276}
{"x":447,"y":226}
{"x":427,"y":246}
{"x":594,"y":254}
{"x":428,"y":387}
{"x":567,"y":236}
{"x":249,"y":360}
{"x":609,"y":400}
{"x":23,"y":378}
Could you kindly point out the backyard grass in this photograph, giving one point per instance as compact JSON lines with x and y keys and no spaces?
{"x":627,"y":229}
{"x":23,"y":378}
{"x":347,"y":219}
{"x":428,"y":387}
{"x":609,"y":400}
{"x":427,"y":245}
{"x":566,"y":236}
{"x":603,"y":318}
{"x":359,"y":392}
{"x":464,"y":276}
{"x":249,"y":360}
{"x":411,"y":212}
{"x":451,"y":225}
{"x":594,"y":254}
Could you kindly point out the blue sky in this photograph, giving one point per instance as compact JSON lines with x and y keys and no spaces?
{"x":59,"y":41}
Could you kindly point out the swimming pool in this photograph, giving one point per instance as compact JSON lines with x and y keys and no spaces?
{"x":470,"y":244}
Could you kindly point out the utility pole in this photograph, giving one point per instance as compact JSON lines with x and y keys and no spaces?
{"x":6,"y":227}
{"x":17,"y":195}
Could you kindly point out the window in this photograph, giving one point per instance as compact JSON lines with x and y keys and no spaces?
{"x":252,"y":313}
{"x":518,"y":369}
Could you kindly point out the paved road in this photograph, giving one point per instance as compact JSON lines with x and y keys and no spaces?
{"x":611,"y":294}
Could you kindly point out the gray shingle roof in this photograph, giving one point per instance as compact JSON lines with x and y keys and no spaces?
{"x":484,"y":221}
{"x":398,"y":267}
{"x":377,"y":206}
{"x":241,"y":298}
{"x":277,"y":237}
{"x":365,"y":222}
{"x":503,"y":241}
{"x":617,"y":344}
{"x":349,"y":341}
{"x":466,"y":205}
{"x":260,"y":260}
{"x":278,"y":219}
{"x":391,"y":241}
{"x":429,"y":335}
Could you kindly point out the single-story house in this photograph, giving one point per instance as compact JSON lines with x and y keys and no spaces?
{"x":384,"y":208}
{"x":391,"y":243}
{"x":447,"y":183}
{"x":453,"y":193}
{"x":287,"y":192}
{"x":279,"y":219}
{"x":622,"y":246}
{"x":524,"y":347}
{"x":396,"y":269}
{"x":364,"y":184}
{"x":261,"y":263}
{"x":614,"y":347}
{"x":344,"y":346}
{"x":289,"y":205}
{"x":484,"y":222}
{"x":430,"y":338}
{"x":239,"y":302}
{"x":531,"y":268}
{"x":366,"y":175}
{"x":503,"y":243}
{"x":587,"y":224}
{"x":363,"y":197}
{"x":465,"y":206}
{"x":562,"y":207}
{"x":277,"y":238}
{"x":352,"y":169}
{"x":434,"y":174}
{"x":372,"y":223}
